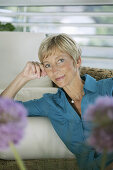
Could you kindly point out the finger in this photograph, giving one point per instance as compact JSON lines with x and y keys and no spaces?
{"x":33,"y":67}
{"x":37,"y":68}
{"x":43,"y":72}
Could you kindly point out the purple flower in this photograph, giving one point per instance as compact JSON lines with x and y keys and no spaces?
{"x":13,"y":120}
{"x":101,"y":115}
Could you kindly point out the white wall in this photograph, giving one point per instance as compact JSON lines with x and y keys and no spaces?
{"x":16,"y":48}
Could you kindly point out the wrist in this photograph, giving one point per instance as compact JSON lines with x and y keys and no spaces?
{"x":22,"y":78}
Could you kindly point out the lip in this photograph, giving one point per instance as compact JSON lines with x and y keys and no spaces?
{"x":60,"y":78}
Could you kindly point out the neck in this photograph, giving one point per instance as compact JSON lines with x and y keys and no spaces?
{"x":75,"y":89}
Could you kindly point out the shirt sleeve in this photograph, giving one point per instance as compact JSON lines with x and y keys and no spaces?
{"x":36,"y":107}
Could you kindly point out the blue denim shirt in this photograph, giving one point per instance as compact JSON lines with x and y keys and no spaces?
{"x":70,"y":127}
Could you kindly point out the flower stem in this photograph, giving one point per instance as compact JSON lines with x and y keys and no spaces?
{"x":17,"y":157}
{"x":103,"y":161}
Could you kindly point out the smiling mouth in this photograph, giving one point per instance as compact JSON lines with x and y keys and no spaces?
{"x":60,"y":78}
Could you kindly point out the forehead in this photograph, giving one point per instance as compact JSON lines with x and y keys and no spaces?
{"x":54,"y":54}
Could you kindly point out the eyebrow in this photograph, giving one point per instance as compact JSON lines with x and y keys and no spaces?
{"x":55,"y":58}
{"x":44,"y":62}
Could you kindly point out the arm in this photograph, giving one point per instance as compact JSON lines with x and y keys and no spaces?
{"x":14,"y":86}
{"x":36,"y":107}
{"x":31,"y":71}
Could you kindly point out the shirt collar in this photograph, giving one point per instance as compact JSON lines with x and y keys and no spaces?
{"x":90,"y":83}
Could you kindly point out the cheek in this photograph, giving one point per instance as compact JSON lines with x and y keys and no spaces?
{"x":70,"y":68}
{"x":49,"y":74}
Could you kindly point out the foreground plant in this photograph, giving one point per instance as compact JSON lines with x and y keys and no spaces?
{"x":101,"y":115}
{"x":13,"y":120}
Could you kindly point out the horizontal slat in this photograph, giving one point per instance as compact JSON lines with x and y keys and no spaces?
{"x":94,"y":40}
{"x":93,"y":36}
{"x":60,"y":14}
{"x":52,"y":2}
{"x":102,"y":52}
{"x":62,"y":24}
{"x":90,"y":36}
{"x":97,"y":63}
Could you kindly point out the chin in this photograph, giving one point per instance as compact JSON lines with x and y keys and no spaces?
{"x":60,"y":84}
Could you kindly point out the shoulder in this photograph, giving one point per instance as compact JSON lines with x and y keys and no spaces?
{"x":102,"y":87}
{"x":106,"y":82}
{"x":106,"y":86}
{"x":54,"y":103}
{"x":57,"y":93}
{"x":54,"y":97}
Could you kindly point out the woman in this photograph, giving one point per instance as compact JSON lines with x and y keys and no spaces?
{"x":60,"y":59}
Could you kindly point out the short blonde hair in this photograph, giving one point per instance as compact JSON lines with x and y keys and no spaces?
{"x":62,"y":42}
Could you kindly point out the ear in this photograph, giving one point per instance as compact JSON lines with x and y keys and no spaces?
{"x":78,"y":62}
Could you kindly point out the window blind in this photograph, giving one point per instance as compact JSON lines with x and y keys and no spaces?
{"x":90,"y":25}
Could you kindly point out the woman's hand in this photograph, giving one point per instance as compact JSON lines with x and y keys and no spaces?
{"x":33,"y":70}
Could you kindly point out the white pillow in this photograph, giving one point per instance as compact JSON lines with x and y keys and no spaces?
{"x":40,"y":139}
{"x":42,"y":82}
{"x":33,"y":93}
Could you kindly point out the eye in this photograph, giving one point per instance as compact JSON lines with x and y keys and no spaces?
{"x":61,"y":60}
{"x":47,"y":65}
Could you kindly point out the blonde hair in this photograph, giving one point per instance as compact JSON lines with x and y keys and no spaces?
{"x":61,"y":42}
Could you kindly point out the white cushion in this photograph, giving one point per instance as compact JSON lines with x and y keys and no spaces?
{"x":16,"y":49}
{"x":33,"y":93}
{"x":40,"y":139}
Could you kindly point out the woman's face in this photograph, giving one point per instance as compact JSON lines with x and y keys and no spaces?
{"x":60,"y":68}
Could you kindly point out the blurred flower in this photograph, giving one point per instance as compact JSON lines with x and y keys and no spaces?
{"x":13,"y":120}
{"x":101,"y":115}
